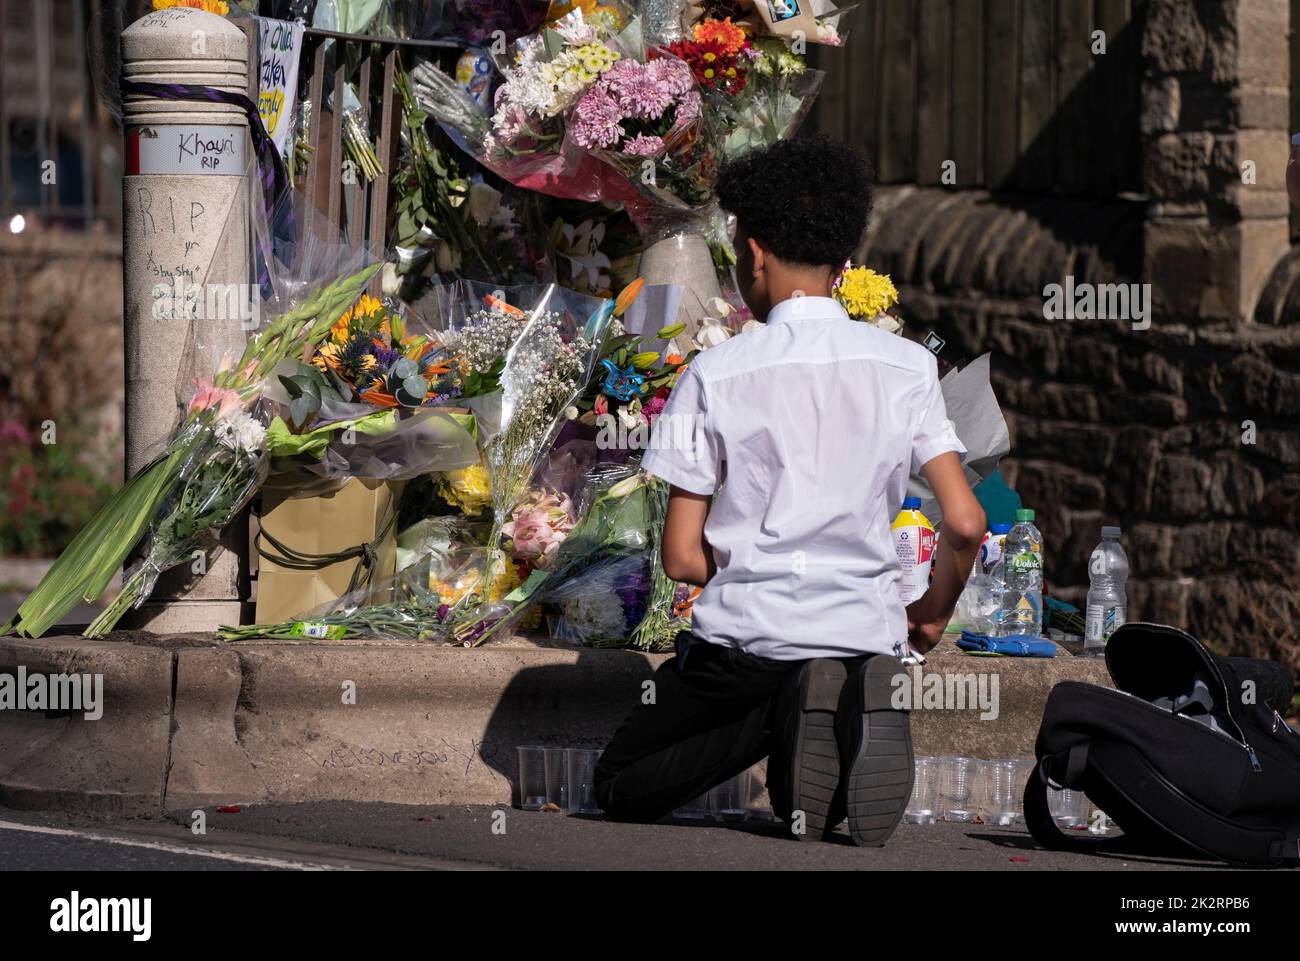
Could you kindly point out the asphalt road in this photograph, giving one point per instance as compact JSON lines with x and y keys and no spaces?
{"x":344,"y":836}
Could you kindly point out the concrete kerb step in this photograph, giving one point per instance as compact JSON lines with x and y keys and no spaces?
{"x":189,"y":722}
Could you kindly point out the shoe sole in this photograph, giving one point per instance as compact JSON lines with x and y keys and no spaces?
{"x":815,"y":763}
{"x":878,"y":780}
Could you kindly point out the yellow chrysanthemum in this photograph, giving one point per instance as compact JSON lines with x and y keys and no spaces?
{"x":211,"y":6}
{"x":469,"y":488}
{"x":726,"y":34}
{"x":864,"y":293}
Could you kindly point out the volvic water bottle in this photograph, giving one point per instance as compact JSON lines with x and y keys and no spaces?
{"x":1022,"y":595}
{"x":1107,"y":572}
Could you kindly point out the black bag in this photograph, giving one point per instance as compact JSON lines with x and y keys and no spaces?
{"x":1181,"y":757}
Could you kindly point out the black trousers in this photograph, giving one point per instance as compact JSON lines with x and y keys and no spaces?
{"x":715,"y":713}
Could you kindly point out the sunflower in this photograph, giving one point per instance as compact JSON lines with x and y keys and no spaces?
{"x":357,"y":316}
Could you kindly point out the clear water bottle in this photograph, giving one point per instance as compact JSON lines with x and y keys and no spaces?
{"x":1107,"y":573}
{"x":1022,"y":595}
{"x":991,"y":584}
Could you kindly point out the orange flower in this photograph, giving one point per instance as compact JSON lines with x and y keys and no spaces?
{"x":674,"y":360}
{"x":724,"y":33}
{"x":379,"y":398}
{"x":627,"y":296}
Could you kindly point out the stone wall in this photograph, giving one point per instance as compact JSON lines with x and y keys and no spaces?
{"x":61,"y":327}
{"x":1186,"y":433}
{"x":1143,"y":428}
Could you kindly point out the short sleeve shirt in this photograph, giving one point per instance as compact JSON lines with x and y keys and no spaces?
{"x":806,"y":430}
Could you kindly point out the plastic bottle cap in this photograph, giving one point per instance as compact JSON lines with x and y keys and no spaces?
{"x":1110,"y":532}
{"x":1024,"y":514}
{"x":911,"y":503}
{"x":1000,"y":529}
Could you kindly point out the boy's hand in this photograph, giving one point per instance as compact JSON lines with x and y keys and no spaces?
{"x":924,"y":630}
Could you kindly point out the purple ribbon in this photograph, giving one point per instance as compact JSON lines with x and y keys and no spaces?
{"x":272,"y":172}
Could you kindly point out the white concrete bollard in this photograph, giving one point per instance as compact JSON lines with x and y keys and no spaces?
{"x":186,"y":163}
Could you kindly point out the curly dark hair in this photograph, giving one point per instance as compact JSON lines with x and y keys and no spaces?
{"x":807,"y":200}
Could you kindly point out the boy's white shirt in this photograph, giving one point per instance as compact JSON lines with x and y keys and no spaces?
{"x":807,"y":430}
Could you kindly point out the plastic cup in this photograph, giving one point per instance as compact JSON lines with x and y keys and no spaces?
{"x":1069,"y":808}
{"x":1023,"y":769}
{"x":556,"y":765}
{"x":581,"y":780}
{"x":727,"y":800}
{"x":758,"y":806}
{"x":1002,"y":793}
{"x":923,"y":805}
{"x":696,"y":809}
{"x":957,"y":794}
{"x":532,"y":777}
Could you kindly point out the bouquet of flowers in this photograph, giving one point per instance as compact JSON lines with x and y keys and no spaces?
{"x":211,"y":466}
{"x":525,"y":140}
{"x":866,"y":295}
{"x":759,"y":88}
{"x":645,"y":118}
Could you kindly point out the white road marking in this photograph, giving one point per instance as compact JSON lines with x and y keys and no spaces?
{"x":170,"y":848}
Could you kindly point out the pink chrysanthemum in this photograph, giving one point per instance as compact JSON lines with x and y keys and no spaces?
{"x":643,"y":145}
{"x":635,"y":86}
{"x":688,"y":110}
{"x":671,"y":75}
{"x":597,"y":120}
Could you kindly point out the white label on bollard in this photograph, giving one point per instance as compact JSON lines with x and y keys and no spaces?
{"x":186,"y":149}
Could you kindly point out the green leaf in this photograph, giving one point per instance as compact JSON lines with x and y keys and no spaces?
{"x":291,"y":385}
{"x":411,"y":392}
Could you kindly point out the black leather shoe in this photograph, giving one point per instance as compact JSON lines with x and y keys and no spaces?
{"x":875,"y":742}
{"x":804,"y":768}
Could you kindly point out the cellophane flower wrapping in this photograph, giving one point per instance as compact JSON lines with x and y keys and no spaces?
{"x":524,"y":140}
{"x":215,"y":459}
{"x":614,"y":517}
{"x":646,"y":118}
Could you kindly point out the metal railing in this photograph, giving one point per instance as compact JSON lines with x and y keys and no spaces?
{"x":355,"y":206}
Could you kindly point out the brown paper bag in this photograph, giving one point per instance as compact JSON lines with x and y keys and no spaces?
{"x":361,"y":512}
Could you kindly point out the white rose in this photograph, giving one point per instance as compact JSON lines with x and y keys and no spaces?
{"x":886,"y":323}
{"x":389,"y":282}
{"x":484,"y":202}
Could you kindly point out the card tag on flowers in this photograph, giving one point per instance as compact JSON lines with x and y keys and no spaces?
{"x":525,"y":589}
{"x":786,"y":18}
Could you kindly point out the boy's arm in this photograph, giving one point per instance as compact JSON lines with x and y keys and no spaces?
{"x":687,"y":556}
{"x":963,"y":530}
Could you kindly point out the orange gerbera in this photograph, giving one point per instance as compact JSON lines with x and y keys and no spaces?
{"x":727,"y":35}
